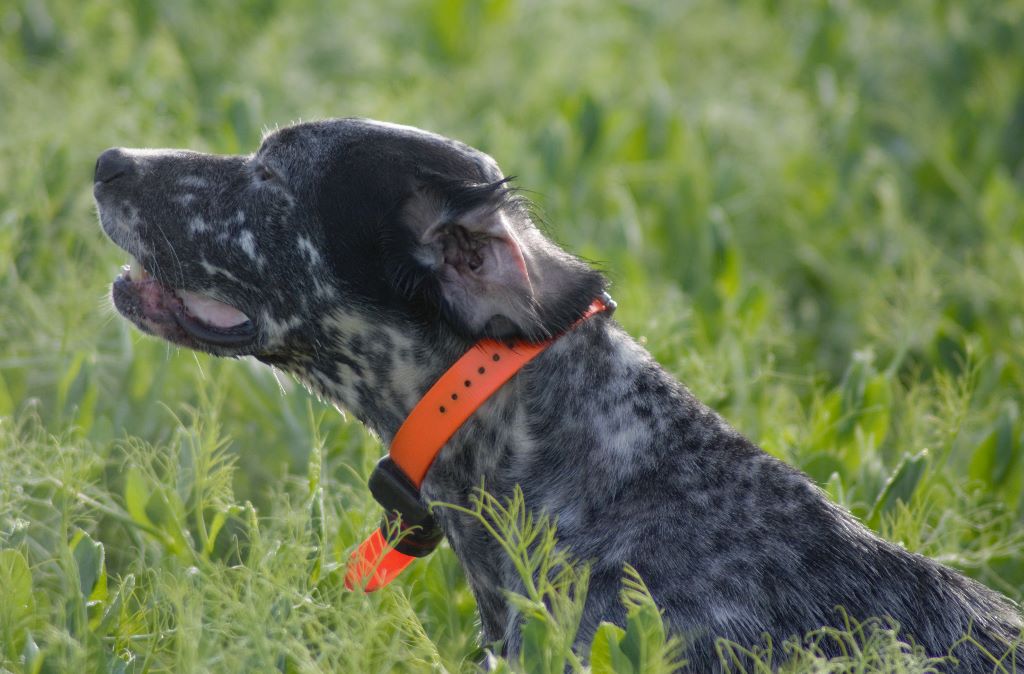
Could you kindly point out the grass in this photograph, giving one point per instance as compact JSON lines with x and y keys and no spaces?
{"x":812,"y":213}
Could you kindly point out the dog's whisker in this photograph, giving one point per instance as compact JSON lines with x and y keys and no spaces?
{"x":172,"y":251}
{"x":199,"y":365}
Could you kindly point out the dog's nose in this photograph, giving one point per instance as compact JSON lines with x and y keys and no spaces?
{"x":112,"y":164}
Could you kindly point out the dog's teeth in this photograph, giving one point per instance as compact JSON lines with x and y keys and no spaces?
{"x":135,"y":271}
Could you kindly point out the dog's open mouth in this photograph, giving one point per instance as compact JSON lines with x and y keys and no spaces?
{"x":178,"y":315}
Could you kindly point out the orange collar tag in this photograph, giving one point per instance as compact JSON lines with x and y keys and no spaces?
{"x":453,"y":398}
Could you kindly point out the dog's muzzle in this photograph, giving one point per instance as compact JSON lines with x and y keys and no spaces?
{"x":155,"y":304}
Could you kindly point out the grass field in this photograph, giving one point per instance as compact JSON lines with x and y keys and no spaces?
{"x":812,"y":214}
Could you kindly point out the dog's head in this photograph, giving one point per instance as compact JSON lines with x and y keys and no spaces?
{"x":248,"y":254}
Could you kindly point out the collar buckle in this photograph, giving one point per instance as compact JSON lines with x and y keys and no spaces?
{"x":404,"y":511}
{"x":610,"y":305}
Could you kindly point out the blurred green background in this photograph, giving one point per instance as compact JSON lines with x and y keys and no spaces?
{"x":811,"y":212}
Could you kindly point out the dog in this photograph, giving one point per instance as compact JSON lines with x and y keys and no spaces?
{"x":366,"y":257}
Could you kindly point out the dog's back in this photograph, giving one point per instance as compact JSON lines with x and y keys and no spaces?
{"x":732,"y":542}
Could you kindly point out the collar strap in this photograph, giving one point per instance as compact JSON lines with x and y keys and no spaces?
{"x":396,"y":480}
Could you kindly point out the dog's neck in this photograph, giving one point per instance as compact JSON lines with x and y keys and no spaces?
{"x":577,"y":402}
{"x":378,"y":371}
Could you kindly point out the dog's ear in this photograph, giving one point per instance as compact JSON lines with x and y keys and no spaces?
{"x":485,"y":266}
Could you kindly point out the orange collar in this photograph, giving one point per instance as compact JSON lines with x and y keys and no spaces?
{"x":396,"y":480}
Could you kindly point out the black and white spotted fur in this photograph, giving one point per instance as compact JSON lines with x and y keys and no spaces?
{"x":366,"y":257}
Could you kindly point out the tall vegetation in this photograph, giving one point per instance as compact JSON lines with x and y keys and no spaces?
{"x":812,"y":213}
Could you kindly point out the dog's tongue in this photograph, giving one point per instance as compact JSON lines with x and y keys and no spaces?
{"x":210,"y":311}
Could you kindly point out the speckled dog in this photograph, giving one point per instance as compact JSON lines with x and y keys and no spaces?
{"x":366,"y":257}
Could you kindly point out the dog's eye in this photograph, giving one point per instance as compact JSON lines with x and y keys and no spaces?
{"x":263,"y":174}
